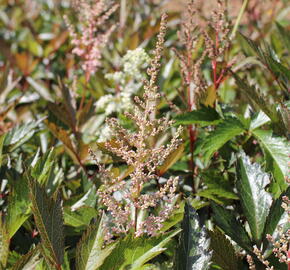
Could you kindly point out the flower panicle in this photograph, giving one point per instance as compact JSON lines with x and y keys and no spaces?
{"x":88,"y":43}
{"x":127,"y":205}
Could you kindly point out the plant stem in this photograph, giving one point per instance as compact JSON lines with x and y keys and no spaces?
{"x":235,"y":28}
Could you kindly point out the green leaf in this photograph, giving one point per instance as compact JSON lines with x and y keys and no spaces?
{"x":258,"y":120}
{"x":205,"y":116}
{"x":218,"y":191}
{"x":81,"y":217}
{"x":275,"y":214}
{"x":90,"y":253}
{"x":2,"y":140}
{"x":285,"y":36}
{"x":133,"y":252}
{"x":18,"y":201}
{"x":20,"y":134}
{"x":277,"y":152}
{"x":255,"y":201}
{"x":175,"y":218}
{"x":28,"y":261}
{"x":41,"y":169}
{"x":228,"y":222}
{"x":40,"y":88}
{"x":4,"y":243}
{"x":193,"y":250}
{"x":224,"y":132}
{"x":49,"y":221}
{"x":223,"y":251}
{"x":271,"y":61}
{"x":257,"y":100}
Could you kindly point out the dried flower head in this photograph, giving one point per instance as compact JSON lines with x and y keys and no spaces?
{"x":251,"y":262}
{"x":217,"y":45}
{"x":91,"y":38}
{"x":189,"y":36}
{"x":127,"y":205}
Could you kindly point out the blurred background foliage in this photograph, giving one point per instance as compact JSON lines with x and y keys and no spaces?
{"x":50,"y":118}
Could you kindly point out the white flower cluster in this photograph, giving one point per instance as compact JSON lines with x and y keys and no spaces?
{"x":129,"y":81}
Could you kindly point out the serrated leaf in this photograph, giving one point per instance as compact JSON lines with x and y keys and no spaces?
{"x":41,"y":169}
{"x":223,"y":251}
{"x":277,"y":152}
{"x":81,"y":217}
{"x":69,"y":103}
{"x":275,"y":214}
{"x":218,"y":191}
{"x":255,"y":201}
{"x":256,"y":100}
{"x":20,"y":134}
{"x":28,"y":261}
{"x":59,"y":112}
{"x":132,"y":253}
{"x":49,"y":221}
{"x":63,"y":136}
{"x":18,"y":202}
{"x":284,"y":114}
{"x":205,"y":116}
{"x":224,"y":132}
{"x":193,"y":250}
{"x":258,"y":120}
{"x":228,"y":222}
{"x":281,"y":73}
{"x":90,"y":253}
{"x":285,"y":36}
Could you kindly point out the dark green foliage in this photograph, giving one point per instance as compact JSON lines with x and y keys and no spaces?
{"x":232,"y":164}
{"x":193,"y":249}
{"x":224,"y":254}
{"x":205,"y":116}
{"x":228,"y":222}
{"x":49,"y":221}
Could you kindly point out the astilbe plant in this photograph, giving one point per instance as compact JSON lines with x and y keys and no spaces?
{"x":92,"y":38}
{"x":127,"y":206}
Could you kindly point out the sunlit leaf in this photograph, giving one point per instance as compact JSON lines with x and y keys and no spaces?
{"x":132,"y":252}
{"x":80,"y":217}
{"x":277,"y":152}
{"x":225,"y":131}
{"x":41,"y":169}
{"x":4,"y":243}
{"x":90,"y":253}
{"x":28,"y":261}
{"x":256,"y":202}
{"x":171,"y":159}
{"x":20,"y":134}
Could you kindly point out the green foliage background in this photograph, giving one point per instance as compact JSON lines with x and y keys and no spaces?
{"x":50,"y":214}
